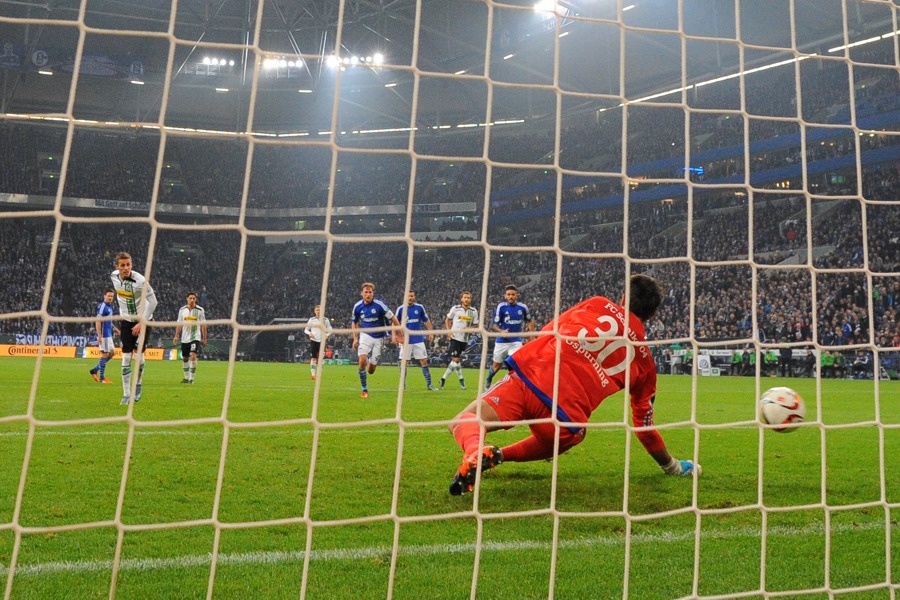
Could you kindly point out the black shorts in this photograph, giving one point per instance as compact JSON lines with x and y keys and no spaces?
{"x":190,"y":348}
{"x":457,"y":348}
{"x":129,"y":340}
{"x":314,"y":348}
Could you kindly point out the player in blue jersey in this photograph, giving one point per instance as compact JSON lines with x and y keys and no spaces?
{"x":369,"y":314}
{"x":105,"y":329}
{"x":511,"y":318}
{"x":413,"y":345}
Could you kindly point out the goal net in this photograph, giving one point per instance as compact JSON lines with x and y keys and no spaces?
{"x":269,"y":158}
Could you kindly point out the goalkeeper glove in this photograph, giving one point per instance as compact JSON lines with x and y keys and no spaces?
{"x":682,"y":468}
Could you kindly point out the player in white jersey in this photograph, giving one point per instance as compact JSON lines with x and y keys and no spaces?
{"x":318,"y":329}
{"x":137,"y":301}
{"x":191,"y":331}
{"x":460,"y":320}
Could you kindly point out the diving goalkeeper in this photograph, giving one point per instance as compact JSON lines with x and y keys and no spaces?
{"x":594,"y":360}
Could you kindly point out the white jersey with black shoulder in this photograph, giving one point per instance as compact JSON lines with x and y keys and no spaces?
{"x":133,"y":302}
{"x":462,"y":319}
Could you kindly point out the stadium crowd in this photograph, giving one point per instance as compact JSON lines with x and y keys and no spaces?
{"x":695,"y":241}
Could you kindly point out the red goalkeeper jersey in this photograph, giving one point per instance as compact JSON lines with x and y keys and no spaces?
{"x":593,"y":364}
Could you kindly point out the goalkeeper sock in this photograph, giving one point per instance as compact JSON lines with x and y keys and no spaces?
{"x":531,"y":448}
{"x":467,"y":434}
{"x":363,"y":378}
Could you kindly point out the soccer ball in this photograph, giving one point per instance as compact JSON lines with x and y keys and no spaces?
{"x":782,"y":406}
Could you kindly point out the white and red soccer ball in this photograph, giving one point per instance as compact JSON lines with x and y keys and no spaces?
{"x":782,"y":406}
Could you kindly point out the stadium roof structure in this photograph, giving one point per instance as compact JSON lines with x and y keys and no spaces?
{"x":299,"y":56}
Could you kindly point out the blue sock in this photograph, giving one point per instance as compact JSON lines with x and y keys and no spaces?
{"x":363,"y":377}
{"x":490,"y":376}
{"x":102,"y":368}
{"x":427,"y":375}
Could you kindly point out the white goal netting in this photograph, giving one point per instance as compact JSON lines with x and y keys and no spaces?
{"x":271,"y":157}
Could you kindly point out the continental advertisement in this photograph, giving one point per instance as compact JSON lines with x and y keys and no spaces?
{"x":47,"y":351}
{"x":78,"y":352}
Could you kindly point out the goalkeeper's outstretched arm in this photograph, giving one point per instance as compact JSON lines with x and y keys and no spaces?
{"x":655,"y":445}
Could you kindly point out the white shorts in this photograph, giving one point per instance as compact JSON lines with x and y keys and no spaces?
{"x":370,"y":346}
{"x":418,"y":351}
{"x":503,"y":350}
{"x":106,"y":345}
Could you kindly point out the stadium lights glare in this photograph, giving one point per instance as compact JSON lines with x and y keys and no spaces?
{"x":221,"y":90}
{"x":371,"y":60}
{"x":45,"y":72}
{"x":390,"y":85}
{"x":629,"y":7}
{"x":213,"y":61}
{"x":711,"y":81}
{"x":137,"y":82}
{"x":545,"y":6}
{"x":281,"y":62}
{"x":564,"y":34}
{"x":305,"y":91}
{"x":508,"y":56}
{"x":870,"y":40}
{"x":462,"y":72}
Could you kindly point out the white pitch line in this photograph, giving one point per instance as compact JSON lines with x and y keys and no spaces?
{"x":416,"y":551}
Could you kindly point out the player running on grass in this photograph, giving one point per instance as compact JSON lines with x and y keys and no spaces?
{"x":105,"y":331}
{"x":369,"y":314}
{"x":594,"y":360}
{"x":134,"y":304}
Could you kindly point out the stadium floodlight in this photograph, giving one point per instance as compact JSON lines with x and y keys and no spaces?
{"x":45,"y":72}
{"x":629,"y":7}
{"x":332,"y":61}
{"x":378,"y":59}
{"x":220,"y":90}
{"x":545,"y":6}
{"x":230,"y":63}
{"x":137,"y":82}
{"x":207,"y":60}
{"x":390,"y":85}
{"x":354,"y":60}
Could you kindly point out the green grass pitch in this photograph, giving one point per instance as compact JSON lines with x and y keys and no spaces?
{"x":306,"y":497}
